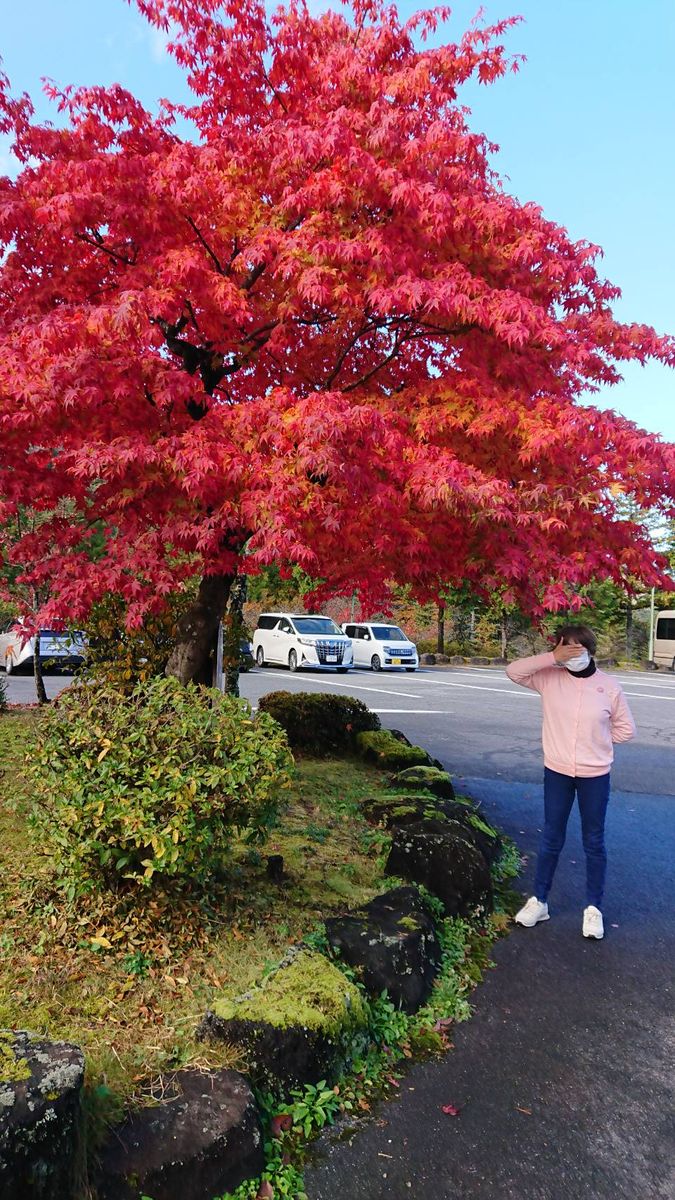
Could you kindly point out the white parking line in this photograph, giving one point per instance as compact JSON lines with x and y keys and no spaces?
{"x":662,"y":690}
{"x":635,"y":678}
{"x":427,"y":712}
{"x":353,"y":686}
{"x":648,"y":696}
{"x":479,"y":687}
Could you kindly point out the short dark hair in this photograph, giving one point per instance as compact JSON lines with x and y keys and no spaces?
{"x":577,"y":633}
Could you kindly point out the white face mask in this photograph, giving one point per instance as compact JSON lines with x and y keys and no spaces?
{"x":579,"y":663}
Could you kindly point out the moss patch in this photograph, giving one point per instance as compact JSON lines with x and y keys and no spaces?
{"x":308,"y":992}
{"x":386,"y":751}
{"x":12,"y":1069}
{"x":477,"y":823}
{"x":391,"y":809}
{"x":408,"y":923}
{"x":422,"y":776}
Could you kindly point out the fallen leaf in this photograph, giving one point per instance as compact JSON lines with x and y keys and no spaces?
{"x":265,"y":1191}
{"x":527,"y":1111}
{"x":280,"y":1124}
{"x":450,"y":1110}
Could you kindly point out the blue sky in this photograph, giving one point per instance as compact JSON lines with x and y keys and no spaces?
{"x":585,"y":128}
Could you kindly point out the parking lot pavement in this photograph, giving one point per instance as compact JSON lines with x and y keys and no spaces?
{"x":482,"y":725}
{"x":21,"y":688}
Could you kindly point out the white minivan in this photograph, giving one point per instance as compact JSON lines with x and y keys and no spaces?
{"x":58,"y":650}
{"x":297,"y":640}
{"x":664,"y":639}
{"x":381,"y":646}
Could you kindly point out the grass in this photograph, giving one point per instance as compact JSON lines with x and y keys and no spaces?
{"x":130,"y":984}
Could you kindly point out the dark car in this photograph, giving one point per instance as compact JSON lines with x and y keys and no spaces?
{"x":246,"y":660}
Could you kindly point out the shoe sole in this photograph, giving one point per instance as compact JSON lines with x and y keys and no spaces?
{"x":531,"y":924}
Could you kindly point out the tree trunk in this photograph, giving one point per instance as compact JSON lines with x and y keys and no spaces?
{"x":193,"y":657}
{"x":504,"y":633}
{"x":629,"y":631}
{"x":40,"y":690}
{"x":440,"y":638}
{"x":232,"y":634}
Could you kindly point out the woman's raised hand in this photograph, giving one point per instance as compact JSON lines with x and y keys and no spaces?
{"x":563,"y":653}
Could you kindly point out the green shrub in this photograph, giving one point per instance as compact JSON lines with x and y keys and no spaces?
{"x":386,"y":751}
{"x":318,"y":723}
{"x":124,"y":657}
{"x":152,"y":785}
{"x":430,"y":646}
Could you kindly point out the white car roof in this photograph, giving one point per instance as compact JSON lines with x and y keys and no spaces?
{"x":292,"y":615}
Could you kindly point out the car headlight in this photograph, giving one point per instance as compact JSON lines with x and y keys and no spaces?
{"x":305,"y":641}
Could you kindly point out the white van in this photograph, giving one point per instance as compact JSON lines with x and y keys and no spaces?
{"x":381,"y":646}
{"x":664,"y":639}
{"x":63,"y":650}
{"x":297,"y":640}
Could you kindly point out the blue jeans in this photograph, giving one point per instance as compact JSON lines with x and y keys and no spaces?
{"x":593,"y":795}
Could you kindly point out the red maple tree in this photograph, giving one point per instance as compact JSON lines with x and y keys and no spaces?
{"x":315,"y":329}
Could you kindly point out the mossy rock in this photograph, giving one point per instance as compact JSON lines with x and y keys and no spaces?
{"x":385,"y":750}
{"x":424,"y":778}
{"x":40,"y":1085}
{"x":303,"y":1023}
{"x":392,"y":943}
{"x":444,"y":857}
{"x":396,"y":812}
{"x":485,"y":835}
{"x":203,"y":1140}
{"x":391,"y":810}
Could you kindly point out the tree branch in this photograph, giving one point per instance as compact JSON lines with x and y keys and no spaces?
{"x":274,"y":91}
{"x":97,"y":243}
{"x":211,"y":253}
{"x":347,"y":350}
{"x":378,"y":367}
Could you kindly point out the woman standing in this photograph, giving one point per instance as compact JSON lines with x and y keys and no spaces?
{"x":585,"y":712}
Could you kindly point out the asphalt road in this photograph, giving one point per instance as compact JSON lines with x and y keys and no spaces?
{"x":482,"y":725}
{"x":564,"y":1075}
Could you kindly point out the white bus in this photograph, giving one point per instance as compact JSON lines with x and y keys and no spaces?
{"x":664,"y":639}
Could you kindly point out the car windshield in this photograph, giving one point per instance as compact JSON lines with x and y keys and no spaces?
{"x":317,"y":625}
{"x":389,"y":633}
{"x":74,"y":635}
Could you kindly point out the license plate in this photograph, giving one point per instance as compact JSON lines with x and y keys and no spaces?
{"x":331,"y":658}
{"x":56,"y":649}
{"x":396,"y":662}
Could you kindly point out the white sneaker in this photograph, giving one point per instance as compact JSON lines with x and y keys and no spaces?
{"x":593,"y":927}
{"x":532,"y":913}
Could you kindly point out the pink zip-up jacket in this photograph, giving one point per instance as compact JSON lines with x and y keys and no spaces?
{"x":582,"y":717}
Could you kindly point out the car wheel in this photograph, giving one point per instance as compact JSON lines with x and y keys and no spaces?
{"x":260,"y":657}
{"x":376,"y":662}
{"x":411,"y":670}
{"x":292,"y":661}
